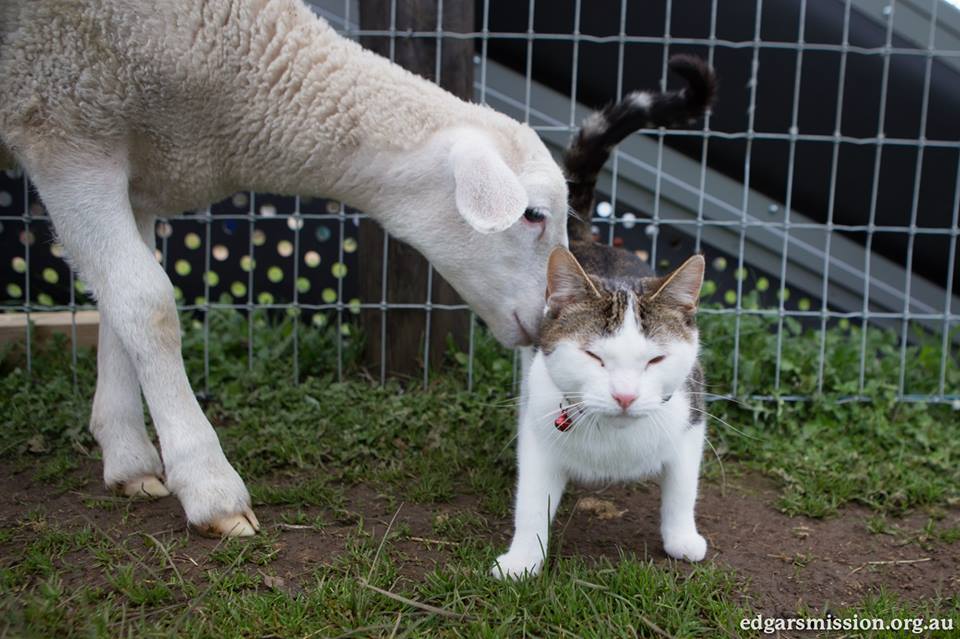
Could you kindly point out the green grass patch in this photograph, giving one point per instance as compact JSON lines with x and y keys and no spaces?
{"x":302,"y":446}
{"x":889,"y":455}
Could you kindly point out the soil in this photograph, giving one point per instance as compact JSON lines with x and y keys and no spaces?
{"x":784,"y":561}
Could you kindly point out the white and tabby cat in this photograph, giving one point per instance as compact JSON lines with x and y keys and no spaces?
{"x":613,"y":391}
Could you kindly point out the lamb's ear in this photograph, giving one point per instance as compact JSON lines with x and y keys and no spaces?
{"x":489,"y":195}
{"x":682,"y":287}
{"x":566,"y":280}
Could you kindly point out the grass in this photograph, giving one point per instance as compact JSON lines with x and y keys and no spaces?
{"x":886,"y":454}
{"x":303,"y":448}
{"x":140,"y":595}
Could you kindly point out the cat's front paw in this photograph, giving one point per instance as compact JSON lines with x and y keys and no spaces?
{"x":689,"y":546}
{"x":517,"y":565}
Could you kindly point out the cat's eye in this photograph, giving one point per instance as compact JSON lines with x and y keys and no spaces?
{"x":656,"y":360}
{"x":594,"y":356}
{"x":535,"y":215}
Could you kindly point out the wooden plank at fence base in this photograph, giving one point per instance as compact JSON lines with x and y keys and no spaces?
{"x":13,"y":326}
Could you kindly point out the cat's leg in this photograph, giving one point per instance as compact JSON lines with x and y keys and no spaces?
{"x":540,"y":485}
{"x":526,"y":360}
{"x":678,"y":495}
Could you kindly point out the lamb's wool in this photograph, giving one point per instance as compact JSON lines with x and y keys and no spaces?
{"x":208,"y":97}
{"x":196,"y":99}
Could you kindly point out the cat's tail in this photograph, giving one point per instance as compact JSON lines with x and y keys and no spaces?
{"x":604,"y":129}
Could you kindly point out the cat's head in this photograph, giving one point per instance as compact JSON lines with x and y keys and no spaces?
{"x":620,"y":349}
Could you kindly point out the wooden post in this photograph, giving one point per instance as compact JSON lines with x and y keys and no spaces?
{"x":406,"y":269}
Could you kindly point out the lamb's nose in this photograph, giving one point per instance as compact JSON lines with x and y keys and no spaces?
{"x":624,"y":399}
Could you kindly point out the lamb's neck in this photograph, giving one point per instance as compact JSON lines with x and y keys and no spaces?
{"x":331,"y":113}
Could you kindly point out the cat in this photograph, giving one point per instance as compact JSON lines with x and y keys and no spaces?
{"x":614,"y":388}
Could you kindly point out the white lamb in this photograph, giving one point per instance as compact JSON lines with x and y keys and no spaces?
{"x":123,"y":110}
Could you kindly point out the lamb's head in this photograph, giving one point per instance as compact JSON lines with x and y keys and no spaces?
{"x":486,"y":206}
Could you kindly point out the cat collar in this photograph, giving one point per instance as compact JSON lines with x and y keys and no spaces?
{"x":563,"y":422}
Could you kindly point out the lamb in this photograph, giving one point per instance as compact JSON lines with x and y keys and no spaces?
{"x":121,"y":111}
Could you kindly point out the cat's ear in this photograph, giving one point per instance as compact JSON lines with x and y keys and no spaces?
{"x":489,"y":195}
{"x":682,"y":287}
{"x":566,"y":280}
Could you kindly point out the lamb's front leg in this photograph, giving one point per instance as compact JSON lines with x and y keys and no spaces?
{"x":88,"y":203}
{"x":540,"y":485}
{"x":130,"y":461}
{"x":678,"y":496}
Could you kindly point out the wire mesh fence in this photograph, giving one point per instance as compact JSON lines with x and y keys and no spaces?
{"x":837,"y":269}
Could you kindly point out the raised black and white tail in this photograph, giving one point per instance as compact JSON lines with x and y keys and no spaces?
{"x":604,"y":129}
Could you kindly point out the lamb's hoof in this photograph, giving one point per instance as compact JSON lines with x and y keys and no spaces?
{"x":145,"y":487}
{"x":243,"y":524}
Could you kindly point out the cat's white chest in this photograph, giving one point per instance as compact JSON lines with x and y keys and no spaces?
{"x":605,"y":452}
{"x":597,"y":449}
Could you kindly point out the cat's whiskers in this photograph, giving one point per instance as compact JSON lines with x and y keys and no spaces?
{"x":719,"y":397}
{"x":505,"y":402}
{"x":564,"y":436}
{"x":554,"y":434}
{"x":577,"y":406}
{"x":583,"y":414}
{"x":555,"y":412}
{"x":519,"y":398}
{"x":723,"y":473}
{"x":580,"y":413}
{"x":586,"y":417}
{"x":586,"y":413}
{"x":592,"y":419}
{"x":517,"y":402}
{"x":517,"y":434}
{"x":507,"y":445}
{"x":701,"y":383}
{"x":550,"y":414}
{"x":739,"y":432}
{"x":666,"y":432}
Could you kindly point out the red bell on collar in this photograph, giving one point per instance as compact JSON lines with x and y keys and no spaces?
{"x":563,"y":422}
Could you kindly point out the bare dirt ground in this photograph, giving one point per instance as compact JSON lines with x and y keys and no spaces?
{"x":784,"y":561}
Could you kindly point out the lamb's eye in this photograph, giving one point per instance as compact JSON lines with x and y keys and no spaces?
{"x":656,"y":360}
{"x":594,"y":356}
{"x":535,"y":215}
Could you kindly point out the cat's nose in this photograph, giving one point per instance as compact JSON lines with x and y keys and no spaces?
{"x":624,"y":399}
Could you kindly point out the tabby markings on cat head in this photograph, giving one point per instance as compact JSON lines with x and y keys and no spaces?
{"x":621,"y":346}
{"x":582,"y":307}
